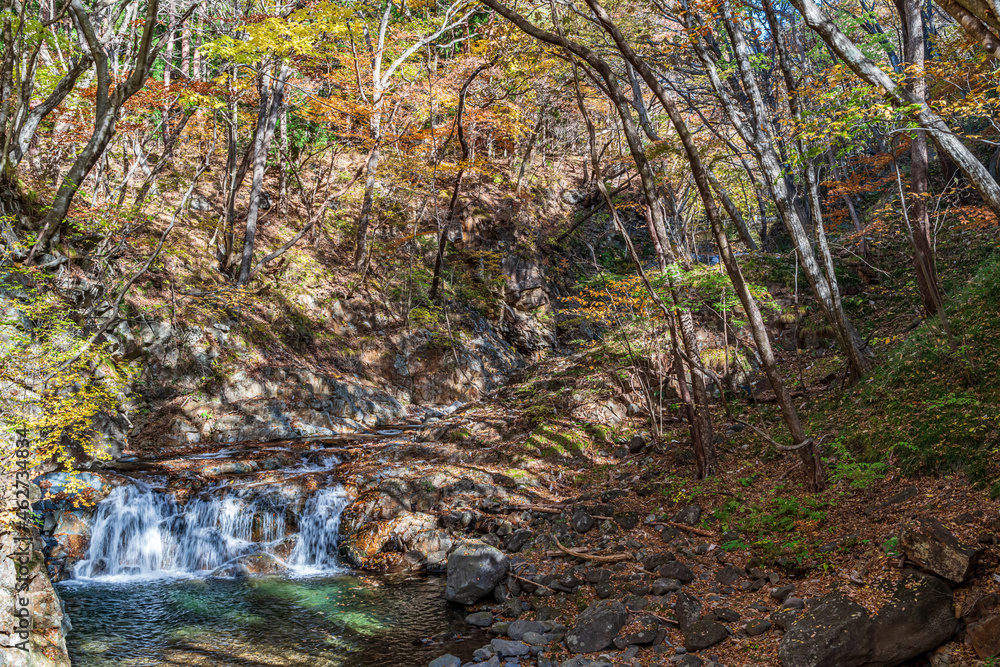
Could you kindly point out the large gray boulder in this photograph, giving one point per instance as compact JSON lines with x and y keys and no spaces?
{"x":918,"y":617}
{"x":474,"y":570}
{"x":834,"y":632}
{"x":597,"y":627}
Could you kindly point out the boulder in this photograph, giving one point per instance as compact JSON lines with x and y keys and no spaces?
{"x":509,"y":647}
{"x":932,"y":547}
{"x":834,"y":632}
{"x":480,"y":619}
{"x":704,"y":634}
{"x":676,"y":570}
{"x":447,"y":660}
{"x":474,"y":570}
{"x":687,"y":611}
{"x":918,"y":617}
{"x":518,"y":629}
{"x":597,"y":627}
{"x":689,"y":515}
{"x":985,"y":637}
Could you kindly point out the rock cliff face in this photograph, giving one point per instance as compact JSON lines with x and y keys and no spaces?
{"x":44,"y":644}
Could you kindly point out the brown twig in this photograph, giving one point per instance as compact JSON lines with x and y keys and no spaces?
{"x":533,"y":583}
{"x":536,"y":508}
{"x":661,"y":619}
{"x":681,"y":526}
{"x":617,"y":558}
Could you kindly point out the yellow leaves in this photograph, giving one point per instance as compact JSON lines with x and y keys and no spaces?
{"x":306,"y":32}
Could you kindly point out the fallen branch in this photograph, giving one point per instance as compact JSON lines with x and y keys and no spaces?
{"x":536,"y":508}
{"x":617,"y":558}
{"x":533,"y":583}
{"x":661,"y":619}
{"x":681,"y":526}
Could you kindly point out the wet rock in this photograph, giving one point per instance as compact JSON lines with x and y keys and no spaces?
{"x":704,"y":634}
{"x":581,"y":521}
{"x":757,"y":626}
{"x":447,"y":660}
{"x":480,"y":619}
{"x":689,"y":515}
{"x":597,"y":627}
{"x":474,"y":569}
{"x":509,"y":647}
{"x":934,"y":548}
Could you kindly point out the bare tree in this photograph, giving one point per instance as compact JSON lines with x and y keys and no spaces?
{"x":108,"y":106}
{"x":381,"y":83}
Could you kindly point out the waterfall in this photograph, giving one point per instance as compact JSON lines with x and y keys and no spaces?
{"x":319,"y":530}
{"x":138,"y":530}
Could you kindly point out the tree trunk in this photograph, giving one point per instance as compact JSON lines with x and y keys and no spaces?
{"x":946,"y":140}
{"x":923,"y":256}
{"x":262,"y":144}
{"x":759,"y":139}
{"x":808,"y":450}
{"x":443,"y":233}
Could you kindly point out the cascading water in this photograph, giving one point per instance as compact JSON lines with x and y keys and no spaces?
{"x":319,"y":530}
{"x":138,"y":530}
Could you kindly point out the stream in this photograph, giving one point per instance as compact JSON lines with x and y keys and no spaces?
{"x":269,"y":620}
{"x":243,"y":573}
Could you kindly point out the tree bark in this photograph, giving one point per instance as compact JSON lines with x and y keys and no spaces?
{"x":262,"y":144}
{"x":923,"y":257}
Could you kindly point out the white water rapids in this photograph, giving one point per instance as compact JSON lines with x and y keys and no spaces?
{"x":140,"y":531}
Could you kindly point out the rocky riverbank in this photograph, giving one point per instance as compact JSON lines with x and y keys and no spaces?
{"x":589,"y":559}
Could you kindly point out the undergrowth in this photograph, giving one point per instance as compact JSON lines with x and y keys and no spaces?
{"x":929,"y":407}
